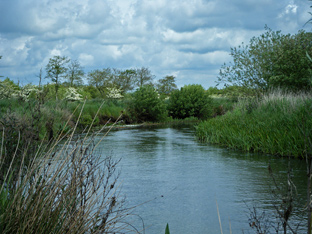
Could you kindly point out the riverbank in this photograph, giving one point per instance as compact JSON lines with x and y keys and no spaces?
{"x":276,"y":124}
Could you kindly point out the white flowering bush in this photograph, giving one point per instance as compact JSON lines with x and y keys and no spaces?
{"x":26,"y":92}
{"x":72,"y":94}
{"x":8,"y":89}
{"x":114,"y":93}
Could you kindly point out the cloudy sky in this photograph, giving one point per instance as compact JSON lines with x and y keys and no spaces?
{"x":189,"y":39}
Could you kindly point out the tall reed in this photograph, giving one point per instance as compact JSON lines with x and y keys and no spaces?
{"x":67,"y":187}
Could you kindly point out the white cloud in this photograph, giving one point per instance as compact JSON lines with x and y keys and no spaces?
{"x":86,"y":59}
{"x":189,"y":38}
{"x":291,"y":8}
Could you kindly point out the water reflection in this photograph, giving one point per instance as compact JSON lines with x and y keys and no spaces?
{"x":183,"y":179}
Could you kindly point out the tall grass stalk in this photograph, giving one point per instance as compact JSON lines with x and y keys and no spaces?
{"x":219,"y":217}
{"x":69,"y":187}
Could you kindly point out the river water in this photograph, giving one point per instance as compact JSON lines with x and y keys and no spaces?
{"x":172,"y":178}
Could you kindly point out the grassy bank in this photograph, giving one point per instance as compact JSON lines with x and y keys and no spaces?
{"x":276,"y":123}
{"x":47,"y":119}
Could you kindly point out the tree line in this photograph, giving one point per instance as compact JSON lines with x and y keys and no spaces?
{"x":61,"y":68}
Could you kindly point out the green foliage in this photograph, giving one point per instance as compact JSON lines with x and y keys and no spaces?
{"x":19,"y":135}
{"x":75,"y":73}
{"x":124,"y":79}
{"x":144,"y":77}
{"x":213,"y":91}
{"x":166,"y":85}
{"x":89,"y":92}
{"x":273,"y":124}
{"x":190,"y":101}
{"x":167,"y":231}
{"x":86,"y":120}
{"x":56,"y":68}
{"x":101,"y":79}
{"x":8,"y":89}
{"x":49,"y":92}
{"x":271,"y":60}
{"x":147,"y":106}
{"x":1,"y":58}
{"x":221,"y":105}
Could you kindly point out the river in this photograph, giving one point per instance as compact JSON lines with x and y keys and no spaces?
{"x":175,"y":179}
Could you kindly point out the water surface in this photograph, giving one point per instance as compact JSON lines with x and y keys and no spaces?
{"x":178,"y":180}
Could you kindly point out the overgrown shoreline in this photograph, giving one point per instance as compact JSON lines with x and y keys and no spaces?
{"x":276,"y":124}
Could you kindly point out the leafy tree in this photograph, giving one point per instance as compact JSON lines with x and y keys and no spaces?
{"x":75,"y":73}
{"x":124,"y":80}
{"x":48,"y":91}
{"x":270,"y":60}
{"x":144,"y":77}
{"x":166,"y":85}
{"x":101,"y":79}
{"x":56,"y":69}
{"x":1,"y":58}
{"x":213,"y":91}
{"x":190,"y":101}
{"x":89,"y":92}
{"x":147,"y":106}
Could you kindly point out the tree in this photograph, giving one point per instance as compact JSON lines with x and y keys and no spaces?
{"x":40,"y":77}
{"x":189,"y":101}
{"x":147,"y":106}
{"x":56,"y":69}
{"x":144,"y":77}
{"x":124,"y":80}
{"x":1,"y":58}
{"x":101,"y":79}
{"x":166,"y":85}
{"x":270,"y":60}
{"x":75,"y":73}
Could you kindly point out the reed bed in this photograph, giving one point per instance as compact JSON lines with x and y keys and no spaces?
{"x":277,"y":123}
{"x":67,"y":187}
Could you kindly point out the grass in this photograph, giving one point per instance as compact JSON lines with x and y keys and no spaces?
{"x":50,"y":117}
{"x":66,"y":187}
{"x":274,"y":124}
{"x":221,"y":105}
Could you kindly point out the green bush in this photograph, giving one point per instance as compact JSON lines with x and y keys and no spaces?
{"x":190,"y":101}
{"x":147,"y":106}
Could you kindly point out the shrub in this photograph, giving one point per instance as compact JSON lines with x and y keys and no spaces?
{"x":190,"y":101}
{"x":147,"y":106}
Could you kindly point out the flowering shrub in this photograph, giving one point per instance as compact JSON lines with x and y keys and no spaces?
{"x":27,"y":92}
{"x":8,"y":89}
{"x":72,"y":95}
{"x":114,"y":93}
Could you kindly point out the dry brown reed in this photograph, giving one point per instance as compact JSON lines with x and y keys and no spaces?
{"x":69,"y":187}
